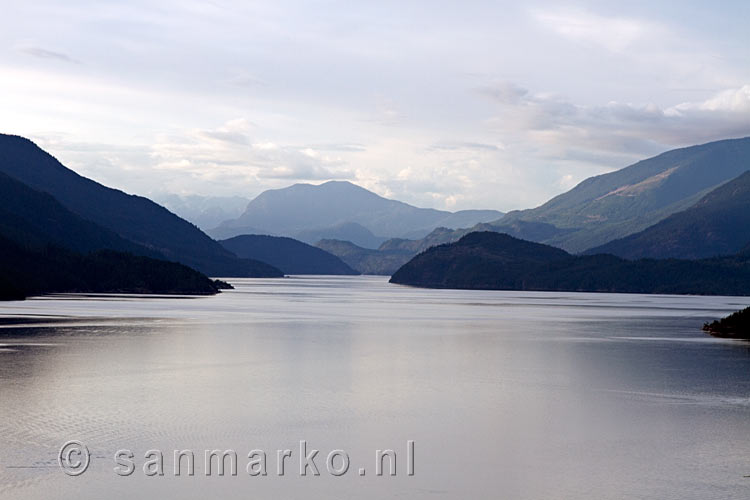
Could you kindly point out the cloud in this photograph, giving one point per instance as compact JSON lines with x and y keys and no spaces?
{"x":730,"y":101}
{"x":344,"y":147}
{"x":230,"y":154}
{"x":619,"y":128}
{"x":505,"y":92}
{"x":48,"y":54}
{"x":450,"y":146}
{"x":233,"y":132}
{"x":613,"y":33}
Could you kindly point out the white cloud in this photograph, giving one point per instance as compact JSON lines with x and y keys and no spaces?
{"x":229,"y":154}
{"x":729,"y":101}
{"x":622,"y":128}
{"x":613,"y":33}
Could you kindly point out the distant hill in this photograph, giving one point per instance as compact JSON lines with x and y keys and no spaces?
{"x":719,"y":224}
{"x":367,"y":260}
{"x":496,"y":261}
{"x":303,"y":207}
{"x":46,"y":248}
{"x":346,"y":231}
{"x":438,"y":236}
{"x":614,"y":205}
{"x":134,"y":218}
{"x":206,"y":212}
{"x":392,"y":253}
{"x":287,"y":254}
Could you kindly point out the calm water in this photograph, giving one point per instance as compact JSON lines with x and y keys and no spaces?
{"x":505,"y":394}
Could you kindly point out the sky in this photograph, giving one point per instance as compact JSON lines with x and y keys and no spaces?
{"x":451,"y":105}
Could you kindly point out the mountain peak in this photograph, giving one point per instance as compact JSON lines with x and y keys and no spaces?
{"x":324,"y":209}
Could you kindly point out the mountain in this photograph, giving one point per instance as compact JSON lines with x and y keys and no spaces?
{"x":346,"y":231}
{"x":614,"y":205}
{"x":392,"y":253}
{"x":719,"y":224}
{"x":496,"y":261}
{"x":46,"y":248}
{"x":287,"y":254}
{"x":367,"y":260}
{"x":303,"y":207}
{"x":133,"y":218}
{"x":206,"y":212}
{"x":438,"y":236}
{"x":34,"y":219}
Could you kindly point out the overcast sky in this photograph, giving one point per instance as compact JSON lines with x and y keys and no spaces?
{"x":451,"y":105}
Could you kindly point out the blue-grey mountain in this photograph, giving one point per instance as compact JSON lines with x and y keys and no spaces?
{"x":346,"y":231}
{"x":287,"y":254}
{"x":317,"y":210}
{"x":381,"y":261}
{"x":206,"y":212}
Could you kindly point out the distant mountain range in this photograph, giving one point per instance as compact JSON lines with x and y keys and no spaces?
{"x":346,"y":231}
{"x":341,"y":210}
{"x":287,"y":254}
{"x":719,"y":224}
{"x":393,"y":253}
{"x":691,"y":203}
{"x":382,"y":262}
{"x":133,"y":218}
{"x":206,"y":212}
{"x":496,"y":261}
{"x":615,"y":205}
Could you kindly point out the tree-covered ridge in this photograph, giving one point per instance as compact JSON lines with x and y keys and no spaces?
{"x":25,"y":272}
{"x":496,"y":261}
{"x":287,"y":254}
{"x":719,"y":224}
{"x":734,"y":326}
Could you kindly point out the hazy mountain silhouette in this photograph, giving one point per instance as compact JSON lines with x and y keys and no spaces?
{"x":719,"y":224}
{"x":131,"y":217}
{"x":392,"y":253}
{"x":346,"y":231}
{"x":367,"y":260}
{"x":303,"y":207}
{"x":497,"y":261}
{"x":206,"y":212}
{"x":611,"y":206}
{"x":287,"y":254}
{"x":438,"y":236}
